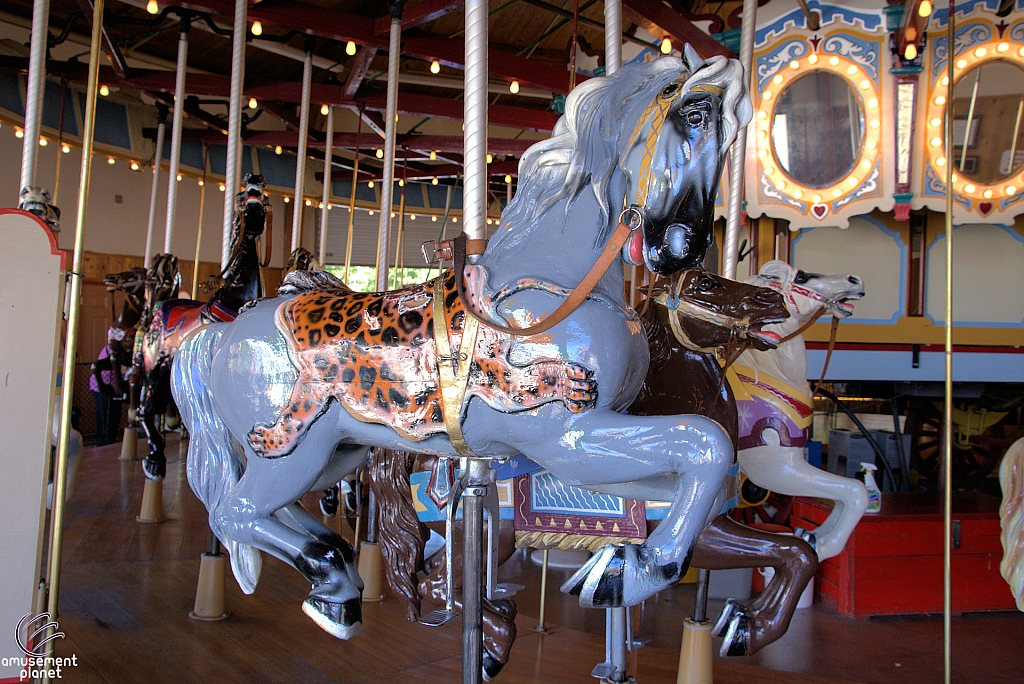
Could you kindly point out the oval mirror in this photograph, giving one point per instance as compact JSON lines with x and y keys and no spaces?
{"x":817,"y":128}
{"x":987,"y":107}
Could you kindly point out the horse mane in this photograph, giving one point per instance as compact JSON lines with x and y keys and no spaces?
{"x":584,"y":148}
{"x":297,"y":282}
{"x":1011,"y":520}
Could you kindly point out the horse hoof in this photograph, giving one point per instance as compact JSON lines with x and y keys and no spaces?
{"x":732,"y":607}
{"x":154,"y":468}
{"x":341,"y":620}
{"x":736,"y":637}
{"x":329,"y":502}
{"x":599,"y":583}
{"x":491,"y":667}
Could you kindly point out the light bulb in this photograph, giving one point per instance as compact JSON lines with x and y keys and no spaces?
{"x":65,"y":149}
{"x":910,"y":54}
{"x":220,"y":186}
{"x":110,"y":160}
{"x":42,"y":142}
{"x":104,"y":90}
{"x":435,"y":67}
{"x":369,"y":184}
{"x":513,"y":87}
{"x":252,"y":103}
{"x":433,"y":181}
{"x":257,"y":28}
{"x":508,"y":178}
{"x":370,"y":212}
{"x":666,"y":46}
{"x":455,"y":219}
{"x":433,"y":154}
{"x":350,"y":48}
{"x":201,"y":182}
{"x":287,"y":199}
{"x":18,"y":133}
{"x":490,"y":158}
{"x":379,"y":153}
{"x":924,"y":9}
{"x":392,"y":214}
{"x":412,"y":217}
{"x":401,"y":183}
{"x":309,"y":203}
{"x":152,"y":7}
{"x":324,"y":109}
{"x":434,"y":218}
{"x":134,"y":166}
{"x":179,"y":177}
{"x":278,"y":150}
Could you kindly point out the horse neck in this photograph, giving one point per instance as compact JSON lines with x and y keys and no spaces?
{"x":129,"y":316}
{"x":788,"y":361}
{"x":243,"y":281}
{"x":558,"y":248}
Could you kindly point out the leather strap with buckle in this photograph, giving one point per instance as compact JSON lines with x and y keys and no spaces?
{"x":453,"y":371}
{"x":435,"y":252}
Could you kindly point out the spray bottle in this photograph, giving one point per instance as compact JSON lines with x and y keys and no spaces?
{"x":874,"y":494}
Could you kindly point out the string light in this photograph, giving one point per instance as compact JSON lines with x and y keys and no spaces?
{"x":513,"y":87}
{"x":412,"y":217}
{"x":104,"y":90}
{"x":179,"y":177}
{"x":433,"y":219}
{"x":370,"y":212}
{"x":152,"y":7}
{"x":490,"y":158}
{"x":201,"y":182}
{"x":110,"y":160}
{"x":257,"y":28}
{"x":220,"y":186}
{"x":401,"y":183}
{"x":369,"y":184}
{"x":309,"y":203}
{"x":65,"y":149}
{"x":435,"y":67}
{"x":324,"y":109}
{"x":433,"y":154}
{"x":924,"y":9}
{"x":666,"y":46}
{"x":43,"y":142}
{"x":455,"y":219}
{"x":433,"y":181}
{"x":252,"y":103}
{"x":508,"y":178}
{"x":379,"y":153}
{"x":910,"y":54}
{"x":278,"y":150}
{"x":18,"y":133}
{"x":287,"y":199}
{"x":350,"y":48}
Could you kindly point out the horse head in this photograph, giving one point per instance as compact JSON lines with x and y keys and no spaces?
{"x":163,"y":279}
{"x":806,"y":293}
{"x":251,"y":205}
{"x":38,"y":201}
{"x":707,"y":311}
{"x":133,"y":283}
{"x":300,"y":260}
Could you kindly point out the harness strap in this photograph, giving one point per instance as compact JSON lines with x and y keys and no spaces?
{"x":453,"y":371}
{"x":828,"y":356}
{"x":803,"y":328}
{"x":576,"y":297}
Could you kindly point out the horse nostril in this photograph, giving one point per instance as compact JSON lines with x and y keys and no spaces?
{"x":854,"y":280}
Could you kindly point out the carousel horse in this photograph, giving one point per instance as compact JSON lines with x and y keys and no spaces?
{"x":775,"y":402}
{"x":124,"y":330}
{"x":171,"y":320}
{"x":1011,"y":520}
{"x":301,"y":259}
{"x":709,"y":312}
{"x":305,"y":384}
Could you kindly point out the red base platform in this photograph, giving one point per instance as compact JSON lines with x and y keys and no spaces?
{"x":892,"y":565}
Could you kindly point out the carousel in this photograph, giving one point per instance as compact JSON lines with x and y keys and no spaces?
{"x":630,"y":341}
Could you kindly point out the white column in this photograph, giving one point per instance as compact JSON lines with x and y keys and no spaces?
{"x":387,"y":183}
{"x":151,"y":225}
{"x":612,"y":36}
{"x":232,"y":164}
{"x":328,"y":154}
{"x":179,"y":109}
{"x":34,"y":92}
{"x":474,"y":206}
{"x":300,"y":162}
{"x":739,"y":149}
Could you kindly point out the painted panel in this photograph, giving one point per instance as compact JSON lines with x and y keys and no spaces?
{"x":898,"y":366}
{"x":868,"y":249}
{"x":988,"y":277}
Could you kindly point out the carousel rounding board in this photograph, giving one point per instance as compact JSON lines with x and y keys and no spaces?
{"x":892,"y":565}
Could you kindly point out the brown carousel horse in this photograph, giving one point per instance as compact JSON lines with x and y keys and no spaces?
{"x":122,"y":333}
{"x":171,"y":320}
{"x":711,"y":312}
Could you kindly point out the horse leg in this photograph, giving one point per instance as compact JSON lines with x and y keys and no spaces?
{"x":684,"y":458}
{"x":784,"y":470}
{"x":158,"y":397}
{"x":727,"y":544}
{"x":299,"y":519}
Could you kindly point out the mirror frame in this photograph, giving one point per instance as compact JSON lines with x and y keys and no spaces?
{"x":935,"y":115}
{"x":870,"y":99}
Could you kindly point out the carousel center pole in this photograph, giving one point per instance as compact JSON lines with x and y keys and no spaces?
{"x":161,"y":129}
{"x":185,"y":24}
{"x":352,"y":200}
{"x":328,"y":163}
{"x":234,"y":127}
{"x":947,"y":418}
{"x":738,"y":152}
{"x":60,"y":474}
{"x":300,"y":162}
{"x":34,"y":93}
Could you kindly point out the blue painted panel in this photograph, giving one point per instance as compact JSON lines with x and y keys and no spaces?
{"x":277,"y":169}
{"x":191,"y":152}
{"x":10,"y":94}
{"x":111,"y":122}
{"x":897,"y":366}
{"x":51,"y":109}
{"x":438,"y":195}
{"x":218,"y":154}
{"x":413,"y":196}
{"x":341,"y":188}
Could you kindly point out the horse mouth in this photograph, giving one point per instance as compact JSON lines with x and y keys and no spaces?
{"x":763,"y":340}
{"x":844,"y":306}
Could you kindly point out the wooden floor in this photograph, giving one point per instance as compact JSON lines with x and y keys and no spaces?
{"x":127,"y":588}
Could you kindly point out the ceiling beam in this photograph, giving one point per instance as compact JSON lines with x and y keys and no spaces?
{"x":360,"y":65}
{"x":421,"y":13}
{"x":660,"y":20}
{"x":117,"y":60}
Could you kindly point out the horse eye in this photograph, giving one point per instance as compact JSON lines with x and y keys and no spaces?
{"x":706,"y":284}
{"x":801,"y":278}
{"x":670,"y":90}
{"x":695,"y":118}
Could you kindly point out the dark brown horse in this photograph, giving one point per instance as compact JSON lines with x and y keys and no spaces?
{"x":709,"y":312}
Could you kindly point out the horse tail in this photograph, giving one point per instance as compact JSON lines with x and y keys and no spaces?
{"x":214,"y":460}
{"x":401,"y":541}
{"x":1011,"y":520}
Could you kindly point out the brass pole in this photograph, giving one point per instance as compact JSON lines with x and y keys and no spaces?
{"x":352,"y":200}
{"x":199,"y":233}
{"x":68,"y":381}
{"x":947,"y":418}
{"x":970,"y":113}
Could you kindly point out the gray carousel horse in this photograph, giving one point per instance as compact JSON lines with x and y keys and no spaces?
{"x":288,"y":398}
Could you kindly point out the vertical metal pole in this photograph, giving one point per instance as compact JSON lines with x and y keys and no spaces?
{"x":34,"y":92}
{"x":352,"y":200}
{"x":739,"y":150}
{"x":300,"y":162}
{"x":328,"y":163}
{"x":947,"y":418}
{"x":371,"y":519}
{"x":179,"y":109}
{"x":617,"y":618}
{"x":61,"y":471}
{"x":199,"y":231}
{"x":612,"y":36}
{"x":157,"y":158}
{"x":541,"y":627}
{"x":474,"y":208}
{"x":391,"y":111}
{"x":700,"y":608}
{"x":231,"y":171}
{"x":477,"y":482}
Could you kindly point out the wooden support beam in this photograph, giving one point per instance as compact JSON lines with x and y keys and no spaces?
{"x":420,"y":13}
{"x":662,"y":21}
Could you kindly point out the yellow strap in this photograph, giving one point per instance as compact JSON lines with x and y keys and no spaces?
{"x":453,"y":381}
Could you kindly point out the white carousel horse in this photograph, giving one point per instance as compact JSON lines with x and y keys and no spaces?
{"x":1011,"y":520}
{"x":775,"y":404}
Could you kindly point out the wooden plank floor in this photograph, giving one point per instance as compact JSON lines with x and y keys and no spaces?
{"x":127,"y":588}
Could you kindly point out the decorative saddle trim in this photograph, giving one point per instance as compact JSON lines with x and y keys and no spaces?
{"x":453,"y":371}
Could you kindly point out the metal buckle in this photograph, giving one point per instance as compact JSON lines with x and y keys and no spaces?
{"x":635,"y":213}
{"x":438,"y":251}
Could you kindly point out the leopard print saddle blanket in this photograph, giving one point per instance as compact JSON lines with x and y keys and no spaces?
{"x":374,"y":353}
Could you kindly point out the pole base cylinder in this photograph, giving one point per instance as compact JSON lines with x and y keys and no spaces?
{"x":130,"y":445}
{"x":695,"y":654}
{"x":209,"y":605}
{"x":152,"y":502}
{"x":371,"y":570}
